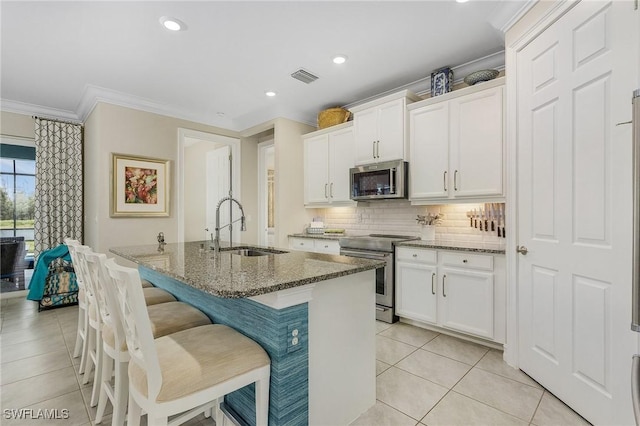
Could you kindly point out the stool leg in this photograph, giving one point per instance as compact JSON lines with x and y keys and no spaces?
{"x":218,"y":412}
{"x":79,"y":334}
{"x":262,"y":402}
{"x":121,"y":394}
{"x":133,"y":417}
{"x":85,"y":344}
{"x":90,"y":362}
{"x":107,"y":370}
{"x":98,"y":369}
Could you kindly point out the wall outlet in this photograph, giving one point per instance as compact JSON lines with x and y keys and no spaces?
{"x":293,"y":337}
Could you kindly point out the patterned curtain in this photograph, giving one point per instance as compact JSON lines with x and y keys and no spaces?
{"x":59,"y":184}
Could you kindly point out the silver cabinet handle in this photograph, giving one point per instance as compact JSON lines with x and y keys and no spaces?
{"x":455,"y":180}
{"x":433,"y":280}
{"x":444,"y":180}
{"x":377,"y":149}
{"x":374,"y":149}
{"x":522,"y":250}
{"x":325,"y":190}
{"x":331,"y":190}
{"x":443,"y":287}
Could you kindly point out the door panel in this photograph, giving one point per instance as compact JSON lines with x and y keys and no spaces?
{"x":341,"y":159}
{"x":574,"y":84}
{"x":429,"y":136}
{"x":316,"y":173}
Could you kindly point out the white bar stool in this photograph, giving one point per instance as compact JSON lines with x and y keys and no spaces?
{"x":166,"y":318}
{"x":186,"y":372}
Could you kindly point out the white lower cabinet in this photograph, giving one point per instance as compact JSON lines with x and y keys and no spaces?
{"x":315,"y":245}
{"x":467,"y":301}
{"x":416,"y":298}
{"x":460,"y":291}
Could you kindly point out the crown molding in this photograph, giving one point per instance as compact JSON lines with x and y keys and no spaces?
{"x":508,"y":16}
{"x":423,"y":86}
{"x":38,"y":110}
{"x":92,"y":95}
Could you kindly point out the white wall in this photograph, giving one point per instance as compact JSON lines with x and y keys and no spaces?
{"x":290,"y":213}
{"x":112,"y":128}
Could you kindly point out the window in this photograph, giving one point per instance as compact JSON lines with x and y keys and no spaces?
{"x":17,"y":193}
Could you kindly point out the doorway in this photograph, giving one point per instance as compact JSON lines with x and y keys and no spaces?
{"x":266,"y":192}
{"x":203,"y":179}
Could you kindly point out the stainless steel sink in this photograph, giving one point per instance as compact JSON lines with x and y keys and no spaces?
{"x":252,"y":251}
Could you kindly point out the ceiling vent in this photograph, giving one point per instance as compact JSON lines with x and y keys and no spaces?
{"x":304,"y":76}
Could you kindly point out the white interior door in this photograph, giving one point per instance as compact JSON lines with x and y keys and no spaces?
{"x":217,"y":187}
{"x":574,"y":208}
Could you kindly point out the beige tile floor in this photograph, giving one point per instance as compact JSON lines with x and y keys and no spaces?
{"x":424,"y":378}
{"x":427,"y":378}
{"x":37,"y":369}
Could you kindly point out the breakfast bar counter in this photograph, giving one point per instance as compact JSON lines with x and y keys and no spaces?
{"x":313,"y":313}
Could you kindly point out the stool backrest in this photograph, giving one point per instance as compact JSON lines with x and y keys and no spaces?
{"x":81,"y":270}
{"x":136,"y":323}
{"x":71,"y":245}
{"x":105,"y":295}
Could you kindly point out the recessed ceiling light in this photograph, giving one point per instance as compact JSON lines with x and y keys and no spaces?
{"x":173,"y":24}
{"x":340,"y":59}
{"x":270,"y":93}
{"x":462,"y":1}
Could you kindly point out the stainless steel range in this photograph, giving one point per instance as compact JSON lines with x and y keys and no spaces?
{"x":379,"y":247}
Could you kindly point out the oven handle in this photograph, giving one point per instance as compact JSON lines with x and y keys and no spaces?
{"x":363,"y":254}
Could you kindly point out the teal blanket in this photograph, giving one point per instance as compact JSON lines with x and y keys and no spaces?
{"x":36,"y":288}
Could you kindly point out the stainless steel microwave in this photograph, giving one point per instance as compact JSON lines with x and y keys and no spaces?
{"x":379,"y":181}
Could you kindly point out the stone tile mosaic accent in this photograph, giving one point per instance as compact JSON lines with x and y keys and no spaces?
{"x":289,"y":388}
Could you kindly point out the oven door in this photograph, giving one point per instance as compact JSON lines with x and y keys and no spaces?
{"x":384,"y":276}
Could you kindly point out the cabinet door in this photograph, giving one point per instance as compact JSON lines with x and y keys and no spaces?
{"x":316,"y":170}
{"x":301,"y":244}
{"x":477,"y":143}
{"x":341,"y":159}
{"x":326,"y":246}
{"x":391,"y":127}
{"x":416,"y":291}
{"x":366,"y":133}
{"x":429,"y":150}
{"x":466,"y":301}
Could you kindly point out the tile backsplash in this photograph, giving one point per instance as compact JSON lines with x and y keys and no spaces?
{"x":399,"y":217}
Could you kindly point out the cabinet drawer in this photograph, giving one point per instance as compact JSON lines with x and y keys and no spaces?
{"x":304,"y":244}
{"x":327,"y":246}
{"x":467,"y":260}
{"x":413,"y":254}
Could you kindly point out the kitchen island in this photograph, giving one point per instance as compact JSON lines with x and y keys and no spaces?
{"x":313,"y":313}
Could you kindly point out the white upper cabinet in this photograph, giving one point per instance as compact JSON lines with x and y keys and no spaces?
{"x":380,"y":128}
{"x":328,"y":156}
{"x":429,"y":136}
{"x":456,"y":143}
{"x":476,"y":143}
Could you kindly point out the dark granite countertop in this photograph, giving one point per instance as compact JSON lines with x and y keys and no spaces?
{"x":232,"y":276}
{"x":478,"y":247}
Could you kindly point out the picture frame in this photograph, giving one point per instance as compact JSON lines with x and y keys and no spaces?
{"x":139,"y":186}
{"x":441,"y":81}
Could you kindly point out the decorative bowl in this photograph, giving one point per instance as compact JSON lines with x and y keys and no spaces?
{"x":482,"y":75}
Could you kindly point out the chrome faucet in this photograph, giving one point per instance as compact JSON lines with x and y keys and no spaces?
{"x":243,"y":223}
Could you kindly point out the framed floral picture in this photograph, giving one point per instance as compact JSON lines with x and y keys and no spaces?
{"x":140,"y":186}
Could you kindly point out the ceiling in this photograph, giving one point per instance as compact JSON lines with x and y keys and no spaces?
{"x":59,"y":58}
